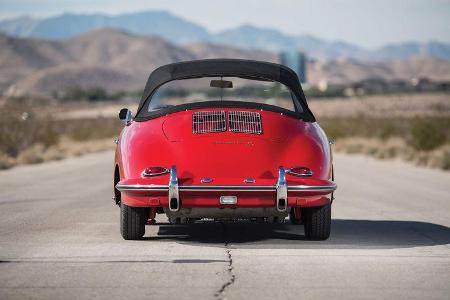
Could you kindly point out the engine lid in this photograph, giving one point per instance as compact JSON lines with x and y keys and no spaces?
{"x":228,"y":125}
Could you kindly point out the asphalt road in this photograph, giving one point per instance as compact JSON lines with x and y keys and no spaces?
{"x":59,"y":238}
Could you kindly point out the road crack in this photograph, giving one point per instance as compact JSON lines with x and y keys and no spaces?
{"x":220,"y":294}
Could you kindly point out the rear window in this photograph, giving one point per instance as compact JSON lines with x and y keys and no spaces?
{"x":203,"y":89}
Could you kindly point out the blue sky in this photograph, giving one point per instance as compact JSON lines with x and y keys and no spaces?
{"x":369,"y":23}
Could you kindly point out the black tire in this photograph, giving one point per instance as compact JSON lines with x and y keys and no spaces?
{"x":132,"y":221}
{"x":317,"y":222}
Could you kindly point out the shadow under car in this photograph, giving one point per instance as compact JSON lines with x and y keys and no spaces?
{"x":345,"y":234}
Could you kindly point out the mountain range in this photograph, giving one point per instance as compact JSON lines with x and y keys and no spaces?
{"x":180,"y":31}
{"x":120,"y":61}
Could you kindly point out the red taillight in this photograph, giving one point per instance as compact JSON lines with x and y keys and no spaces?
{"x":300,"y":171}
{"x":154,"y":171}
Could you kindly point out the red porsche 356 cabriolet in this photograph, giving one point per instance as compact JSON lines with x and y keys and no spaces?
{"x":223,"y":139}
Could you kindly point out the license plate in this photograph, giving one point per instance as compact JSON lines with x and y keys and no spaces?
{"x":228,"y":200}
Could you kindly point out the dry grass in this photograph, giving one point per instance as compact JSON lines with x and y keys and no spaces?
{"x":386,"y":106}
{"x":424,"y":141}
{"x":76,"y":148}
{"x":67,"y":148}
{"x":422,"y":133}
{"x":5,"y":161}
{"x":415,"y":128}
{"x":395,"y":148}
{"x":30,"y":136}
{"x":89,"y":129}
{"x":21,"y":128}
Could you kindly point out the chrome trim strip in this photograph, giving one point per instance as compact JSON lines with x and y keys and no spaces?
{"x":219,"y":188}
{"x":312,"y":188}
{"x":282,"y":190}
{"x":141,"y":187}
{"x":173,"y":190}
{"x":237,"y":188}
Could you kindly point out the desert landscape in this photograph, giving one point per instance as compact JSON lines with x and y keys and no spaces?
{"x":62,"y":89}
{"x":119,"y":62}
{"x":411,"y":127}
{"x":376,"y":75}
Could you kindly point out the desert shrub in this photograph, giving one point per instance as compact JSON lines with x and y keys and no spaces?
{"x":32,"y":155}
{"x":387,"y":131}
{"x":428,"y":134}
{"x":359,"y":126}
{"x":425,"y":133}
{"x":445,"y":161}
{"x":93,"y":94}
{"x":329,"y":93}
{"x":21,"y":127}
{"x":96,"y":94}
{"x":5,"y":161}
{"x":90,"y":129}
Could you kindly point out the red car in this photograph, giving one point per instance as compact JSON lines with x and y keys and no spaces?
{"x":223,"y":139}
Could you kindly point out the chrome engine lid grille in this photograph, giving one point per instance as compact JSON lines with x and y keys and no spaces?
{"x":244,"y":121}
{"x":208,"y":121}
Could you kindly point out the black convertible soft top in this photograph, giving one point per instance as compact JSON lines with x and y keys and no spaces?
{"x":221,"y":67}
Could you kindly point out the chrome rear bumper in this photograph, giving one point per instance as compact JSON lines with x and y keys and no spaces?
{"x":173,"y":188}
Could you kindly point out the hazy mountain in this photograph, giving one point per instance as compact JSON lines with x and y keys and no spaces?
{"x":251,"y":37}
{"x":248,"y":36}
{"x":120,"y":61}
{"x":113,"y":48}
{"x":438,"y":49}
{"x":20,"y":57}
{"x":106,"y":58}
{"x":399,"y":51}
{"x":59,"y":79}
{"x":68,"y":25}
{"x":181,"y":31}
{"x":422,"y":66}
{"x":206,"y":50}
{"x":345,"y":71}
{"x":21,"y":26}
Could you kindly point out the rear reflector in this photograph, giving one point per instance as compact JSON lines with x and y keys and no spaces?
{"x":154,"y":171}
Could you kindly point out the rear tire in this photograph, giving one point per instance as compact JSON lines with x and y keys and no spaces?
{"x":132,"y":221}
{"x":317,"y":222}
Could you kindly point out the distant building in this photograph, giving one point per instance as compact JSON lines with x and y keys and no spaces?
{"x":301,"y":71}
{"x":297,"y":61}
